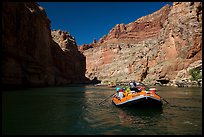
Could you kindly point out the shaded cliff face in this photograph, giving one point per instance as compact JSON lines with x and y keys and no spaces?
{"x":157,"y":46}
{"x":70,"y":63}
{"x":29,"y":55}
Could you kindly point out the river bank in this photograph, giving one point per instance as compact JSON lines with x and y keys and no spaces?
{"x":172,"y":83}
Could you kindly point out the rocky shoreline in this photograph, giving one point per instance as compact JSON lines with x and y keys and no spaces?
{"x":181,"y":83}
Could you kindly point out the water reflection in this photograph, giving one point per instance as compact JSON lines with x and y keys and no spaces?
{"x":138,"y":117}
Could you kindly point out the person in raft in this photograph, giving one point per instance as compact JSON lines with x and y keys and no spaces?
{"x":119,"y":92}
{"x":133,"y":86}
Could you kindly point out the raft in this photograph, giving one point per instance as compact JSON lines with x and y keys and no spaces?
{"x":143,"y":98}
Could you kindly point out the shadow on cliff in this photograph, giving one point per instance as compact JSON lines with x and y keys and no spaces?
{"x":95,"y":81}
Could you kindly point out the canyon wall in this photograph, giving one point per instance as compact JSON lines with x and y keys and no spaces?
{"x":30,"y":56}
{"x":161,"y":46}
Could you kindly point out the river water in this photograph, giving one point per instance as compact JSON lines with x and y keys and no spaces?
{"x":75,"y":110}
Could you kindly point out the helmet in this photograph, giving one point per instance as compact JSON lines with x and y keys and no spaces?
{"x":117,"y":89}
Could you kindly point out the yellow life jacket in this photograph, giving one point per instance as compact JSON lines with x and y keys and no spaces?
{"x":126,"y":92}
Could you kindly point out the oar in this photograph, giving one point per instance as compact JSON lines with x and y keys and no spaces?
{"x":155,"y":93}
{"x":145,"y":85}
{"x":106,"y":98}
{"x":164,"y":100}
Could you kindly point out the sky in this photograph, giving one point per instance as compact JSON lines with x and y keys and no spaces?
{"x":86,"y":21}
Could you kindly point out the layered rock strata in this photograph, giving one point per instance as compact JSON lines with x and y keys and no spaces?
{"x":154,"y":47}
{"x":30,"y":57}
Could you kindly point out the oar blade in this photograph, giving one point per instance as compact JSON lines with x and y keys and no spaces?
{"x":106,"y":98}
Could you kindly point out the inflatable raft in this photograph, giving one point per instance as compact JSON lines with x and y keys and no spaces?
{"x":142,"y":98}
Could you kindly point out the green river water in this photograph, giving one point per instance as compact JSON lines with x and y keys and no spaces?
{"x":75,"y":110}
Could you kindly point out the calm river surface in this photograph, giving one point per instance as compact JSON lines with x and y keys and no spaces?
{"x":75,"y":110}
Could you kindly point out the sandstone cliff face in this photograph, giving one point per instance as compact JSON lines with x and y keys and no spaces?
{"x":134,"y":32}
{"x":70,"y":63}
{"x":180,"y":39}
{"x":29,"y":55}
{"x":156,"y":46}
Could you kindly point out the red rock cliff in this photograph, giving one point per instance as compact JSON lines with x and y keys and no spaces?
{"x":156,"y":46}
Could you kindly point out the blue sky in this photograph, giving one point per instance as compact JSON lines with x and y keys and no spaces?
{"x":87,"y":21}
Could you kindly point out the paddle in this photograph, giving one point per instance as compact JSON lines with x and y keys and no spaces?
{"x":155,"y":93}
{"x":106,"y":98}
{"x":147,"y":88}
{"x":164,"y":99}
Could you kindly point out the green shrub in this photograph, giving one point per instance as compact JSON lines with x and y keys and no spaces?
{"x":195,"y":74}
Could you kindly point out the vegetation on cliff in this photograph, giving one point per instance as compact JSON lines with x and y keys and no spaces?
{"x":195,"y":74}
